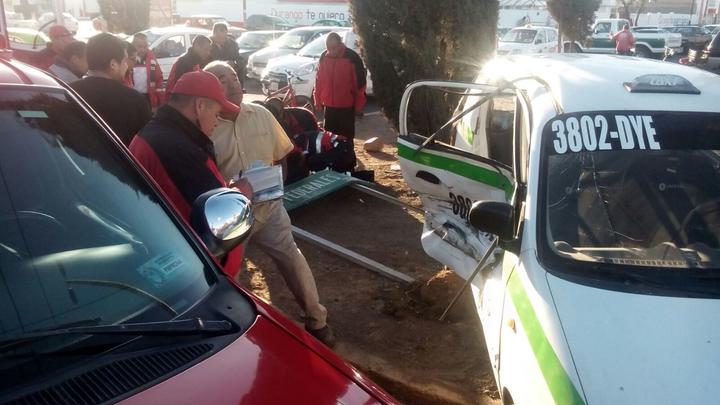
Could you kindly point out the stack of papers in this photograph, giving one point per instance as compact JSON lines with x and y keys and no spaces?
{"x":266,"y":181}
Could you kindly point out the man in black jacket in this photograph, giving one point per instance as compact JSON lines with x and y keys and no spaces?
{"x":122,"y":108}
{"x":193,"y":60}
{"x":226,"y":49}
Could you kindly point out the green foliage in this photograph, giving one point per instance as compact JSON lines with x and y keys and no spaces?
{"x":407,"y":40}
{"x":127,"y":16}
{"x":574,"y":17}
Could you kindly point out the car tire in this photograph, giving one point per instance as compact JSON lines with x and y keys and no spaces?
{"x":643,"y":52}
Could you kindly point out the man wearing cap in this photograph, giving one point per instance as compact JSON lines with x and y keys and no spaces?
{"x":60,"y":37}
{"x":250,"y":135}
{"x":176,"y":150}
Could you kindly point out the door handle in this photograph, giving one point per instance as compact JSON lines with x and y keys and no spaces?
{"x":427,"y":176}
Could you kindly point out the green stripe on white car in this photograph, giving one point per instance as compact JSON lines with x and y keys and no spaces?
{"x":558,"y":381}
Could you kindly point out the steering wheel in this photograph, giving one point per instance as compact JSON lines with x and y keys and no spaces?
{"x":709,"y":212}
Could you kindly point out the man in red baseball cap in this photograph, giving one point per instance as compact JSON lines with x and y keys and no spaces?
{"x":60,"y":37}
{"x":176,"y":150}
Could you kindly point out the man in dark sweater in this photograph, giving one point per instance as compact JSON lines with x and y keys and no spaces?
{"x":193,"y":60}
{"x":125,"y":110}
{"x":225,"y":48}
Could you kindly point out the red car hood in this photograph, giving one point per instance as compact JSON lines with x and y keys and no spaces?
{"x":264,"y":366}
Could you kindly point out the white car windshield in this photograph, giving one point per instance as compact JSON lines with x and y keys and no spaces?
{"x":254,"y":40}
{"x":523,"y":36}
{"x":633,"y":189}
{"x":293,"y":40}
{"x":315,"y":48}
{"x":152,"y":36}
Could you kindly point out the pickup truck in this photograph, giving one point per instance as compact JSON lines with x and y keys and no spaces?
{"x":649,"y":43}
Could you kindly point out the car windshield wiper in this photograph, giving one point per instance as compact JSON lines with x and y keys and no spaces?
{"x":194,"y":326}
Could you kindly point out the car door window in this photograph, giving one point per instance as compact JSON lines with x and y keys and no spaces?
{"x":603,"y":28}
{"x":540,"y":38}
{"x":552,"y":37}
{"x":171,"y":47}
{"x":500,"y":128}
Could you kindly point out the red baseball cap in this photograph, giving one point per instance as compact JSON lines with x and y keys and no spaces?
{"x":204,"y":84}
{"x":58,"y":31}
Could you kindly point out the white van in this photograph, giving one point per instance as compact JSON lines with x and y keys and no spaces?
{"x":600,"y":176}
{"x":528,"y":40}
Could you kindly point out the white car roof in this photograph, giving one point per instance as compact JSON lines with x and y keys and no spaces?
{"x":177,"y":29}
{"x":582,"y":82}
{"x":265,"y":32}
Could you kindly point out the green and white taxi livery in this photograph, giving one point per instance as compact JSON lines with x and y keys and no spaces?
{"x":601,"y":182}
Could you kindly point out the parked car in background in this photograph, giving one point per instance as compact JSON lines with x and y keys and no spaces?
{"x":109,"y":296}
{"x":206,"y":21}
{"x":527,"y":40}
{"x":257,"y":22}
{"x":712,"y":29}
{"x":693,"y":36}
{"x":289,"y":43}
{"x":253,"y":41}
{"x":302,"y":66}
{"x":332,"y":23}
{"x":168,"y":43}
{"x":650,"y":41}
{"x":708,"y":58}
{"x":47,"y":20}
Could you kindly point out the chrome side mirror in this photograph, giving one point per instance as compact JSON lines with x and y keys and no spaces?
{"x":222,"y":218}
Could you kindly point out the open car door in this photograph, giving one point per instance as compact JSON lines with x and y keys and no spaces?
{"x":471,"y":162}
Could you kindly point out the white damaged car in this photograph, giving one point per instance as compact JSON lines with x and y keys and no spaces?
{"x":599,"y":179}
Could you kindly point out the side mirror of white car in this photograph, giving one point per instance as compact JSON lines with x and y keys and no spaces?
{"x":493,"y":217}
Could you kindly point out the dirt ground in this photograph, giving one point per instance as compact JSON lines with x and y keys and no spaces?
{"x":387,"y":329}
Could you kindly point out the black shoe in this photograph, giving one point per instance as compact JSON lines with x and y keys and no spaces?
{"x":324,"y":334}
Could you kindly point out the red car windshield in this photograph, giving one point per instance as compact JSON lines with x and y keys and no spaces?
{"x":83,"y":239}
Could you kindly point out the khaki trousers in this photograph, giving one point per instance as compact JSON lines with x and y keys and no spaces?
{"x":272,"y":233}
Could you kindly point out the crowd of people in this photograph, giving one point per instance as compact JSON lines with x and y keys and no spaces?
{"x":194,"y":133}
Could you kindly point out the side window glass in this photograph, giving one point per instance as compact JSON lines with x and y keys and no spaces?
{"x":500,"y":127}
{"x":552,"y":37}
{"x":541,"y":38}
{"x":602,"y":28}
{"x":171,"y":47}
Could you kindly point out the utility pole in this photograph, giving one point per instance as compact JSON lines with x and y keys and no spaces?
{"x":692,"y":10}
{"x":59,"y":8}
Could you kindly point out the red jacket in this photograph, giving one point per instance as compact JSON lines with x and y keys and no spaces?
{"x":340,"y":81}
{"x":181,"y":160}
{"x":156,"y":91}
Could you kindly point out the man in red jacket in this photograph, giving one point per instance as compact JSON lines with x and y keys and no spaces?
{"x":191,"y":61}
{"x":147,"y":75}
{"x":340,"y":86}
{"x":176,"y":150}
